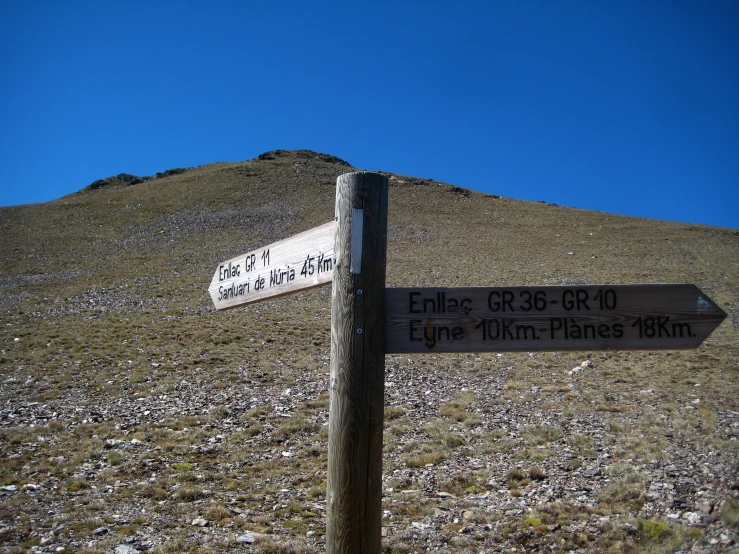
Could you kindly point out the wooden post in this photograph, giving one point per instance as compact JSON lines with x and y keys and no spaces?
{"x":354,"y":490}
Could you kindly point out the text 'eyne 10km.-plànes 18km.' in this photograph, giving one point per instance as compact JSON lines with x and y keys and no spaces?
{"x":302,"y":261}
{"x":588,"y":317}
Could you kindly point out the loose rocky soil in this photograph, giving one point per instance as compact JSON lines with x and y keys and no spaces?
{"x":134,"y":418}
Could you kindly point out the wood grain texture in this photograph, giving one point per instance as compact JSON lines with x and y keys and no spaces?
{"x":585,"y":317}
{"x":299,"y":262}
{"x":354,"y":488}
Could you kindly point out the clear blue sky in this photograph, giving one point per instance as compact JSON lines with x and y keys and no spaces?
{"x":626,"y":107}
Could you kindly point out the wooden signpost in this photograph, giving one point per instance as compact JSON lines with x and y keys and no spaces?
{"x":368,"y":321}
{"x":581,"y":317}
{"x":303,"y":261}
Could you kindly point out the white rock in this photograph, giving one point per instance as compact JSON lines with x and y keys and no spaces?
{"x":246,"y":538}
{"x":199,"y":522}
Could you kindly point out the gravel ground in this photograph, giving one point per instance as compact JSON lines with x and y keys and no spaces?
{"x":133,"y":418}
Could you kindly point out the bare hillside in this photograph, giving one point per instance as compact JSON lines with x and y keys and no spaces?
{"x":134,"y":417}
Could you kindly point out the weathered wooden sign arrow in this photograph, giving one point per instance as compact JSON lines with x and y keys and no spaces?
{"x":302,"y":261}
{"x":591,"y":317}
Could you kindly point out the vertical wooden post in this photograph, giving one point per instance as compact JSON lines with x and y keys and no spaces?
{"x":354,"y":490}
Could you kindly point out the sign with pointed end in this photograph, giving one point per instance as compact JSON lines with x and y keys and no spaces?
{"x":588,"y":317}
{"x":302,"y":261}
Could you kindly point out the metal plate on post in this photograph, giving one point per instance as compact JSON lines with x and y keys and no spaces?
{"x":355,"y":265}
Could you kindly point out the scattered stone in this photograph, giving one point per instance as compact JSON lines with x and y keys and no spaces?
{"x":704,"y":507}
{"x":587,"y":364}
{"x":125,"y":549}
{"x":246,"y":538}
{"x":9,"y":488}
{"x":100,"y":531}
{"x":199,"y":522}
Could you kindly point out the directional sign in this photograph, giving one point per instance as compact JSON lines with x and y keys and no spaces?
{"x":589,"y":317}
{"x":480,"y":319}
{"x":302,"y":261}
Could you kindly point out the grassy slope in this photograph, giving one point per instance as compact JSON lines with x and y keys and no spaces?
{"x":106,"y":291}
